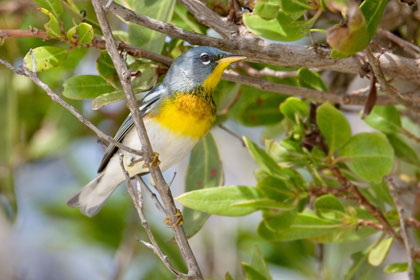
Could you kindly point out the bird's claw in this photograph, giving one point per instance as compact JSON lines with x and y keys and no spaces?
{"x":179,"y":219}
{"x":153,"y":162}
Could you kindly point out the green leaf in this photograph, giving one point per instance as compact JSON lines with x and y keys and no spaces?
{"x":45,"y":57}
{"x":106,"y":99}
{"x":252,"y":273}
{"x":378,"y":254}
{"x":52,"y":28}
{"x":262,"y":110}
{"x":276,"y":188}
{"x":295,"y":8}
{"x":396,"y":268}
{"x":312,"y":80}
{"x":282,"y":28}
{"x":402,"y":150}
{"x":259,"y":264}
{"x":384,"y":118}
{"x":148,"y":77}
{"x":369,"y":155}
{"x":262,"y":158}
{"x":71,"y":34}
{"x":279,"y":220}
{"x":306,"y":225}
{"x":84,"y":33}
{"x":204,"y":171}
{"x":267,"y":9}
{"x":373,"y":11}
{"x":183,"y":19}
{"x":359,"y":266}
{"x":265,"y":203}
{"x":106,"y":69}
{"x":294,"y":108}
{"x":329,"y":207}
{"x":382,"y":192}
{"x":333,"y":125}
{"x":219,"y":201}
{"x":86,"y":87}
{"x":143,"y":37}
{"x":51,"y":5}
{"x":351,"y":37}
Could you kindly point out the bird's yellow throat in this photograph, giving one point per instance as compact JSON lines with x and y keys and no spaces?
{"x":187,"y":114}
{"x":193,"y":114}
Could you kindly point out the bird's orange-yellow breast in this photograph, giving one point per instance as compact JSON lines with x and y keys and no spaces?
{"x":186,"y":114}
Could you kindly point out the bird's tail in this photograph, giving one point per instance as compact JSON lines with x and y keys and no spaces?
{"x":91,"y":198}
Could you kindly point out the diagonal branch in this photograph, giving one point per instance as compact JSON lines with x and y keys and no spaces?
{"x":161,"y":186}
{"x":262,"y":51}
{"x":257,"y":81}
{"x":31,"y":75}
{"x":407,"y":245}
{"x":137,"y":197}
{"x":209,"y":18}
{"x":377,"y":70}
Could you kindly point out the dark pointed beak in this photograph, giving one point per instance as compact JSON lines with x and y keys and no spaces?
{"x":230,"y":59}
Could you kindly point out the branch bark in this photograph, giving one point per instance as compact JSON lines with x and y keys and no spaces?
{"x":137,"y":198}
{"x":246,"y":44}
{"x":407,"y":244}
{"x":257,"y":82}
{"x":161,"y":186}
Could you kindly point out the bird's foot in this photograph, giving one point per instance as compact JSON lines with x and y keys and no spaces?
{"x":179,"y":219}
{"x":153,"y":162}
{"x":134,"y":160}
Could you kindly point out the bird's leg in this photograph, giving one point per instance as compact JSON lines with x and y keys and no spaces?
{"x":133,"y":160}
{"x":179,"y":219}
{"x":153,"y":162}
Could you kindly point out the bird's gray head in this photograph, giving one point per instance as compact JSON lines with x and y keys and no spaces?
{"x":198,"y":67}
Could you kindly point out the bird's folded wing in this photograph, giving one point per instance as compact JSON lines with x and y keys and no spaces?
{"x":145,"y":105}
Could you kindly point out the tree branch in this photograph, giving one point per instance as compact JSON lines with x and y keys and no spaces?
{"x":161,"y":186}
{"x":262,"y":51}
{"x":31,"y":75}
{"x":377,"y":70}
{"x":407,"y":245}
{"x":209,"y":18}
{"x":373,"y":210}
{"x":345,"y":99}
{"x":137,"y":198}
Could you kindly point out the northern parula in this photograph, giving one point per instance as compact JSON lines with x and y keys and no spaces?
{"x":177,"y":114}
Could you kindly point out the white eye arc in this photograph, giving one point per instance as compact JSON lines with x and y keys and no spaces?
{"x":205,"y":58}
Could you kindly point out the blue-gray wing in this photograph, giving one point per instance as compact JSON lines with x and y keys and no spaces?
{"x":145,"y":105}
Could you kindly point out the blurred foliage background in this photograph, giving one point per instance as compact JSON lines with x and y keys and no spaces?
{"x":46,"y":154}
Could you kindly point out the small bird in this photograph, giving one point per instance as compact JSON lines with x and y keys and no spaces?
{"x":177,"y":114}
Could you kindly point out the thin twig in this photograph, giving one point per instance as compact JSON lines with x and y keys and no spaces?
{"x":407,"y":46}
{"x":154,"y":197}
{"x":408,"y":247}
{"x":232,"y":134}
{"x":208,"y":18}
{"x":161,"y":186}
{"x":409,"y":221}
{"x":373,"y":210}
{"x":104,"y":137}
{"x":137,"y":198}
{"x":377,"y":70}
{"x":410,"y":135}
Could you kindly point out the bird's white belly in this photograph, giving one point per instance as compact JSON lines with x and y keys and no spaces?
{"x":171,"y":147}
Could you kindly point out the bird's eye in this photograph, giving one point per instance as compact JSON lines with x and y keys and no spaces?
{"x":205,"y":58}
